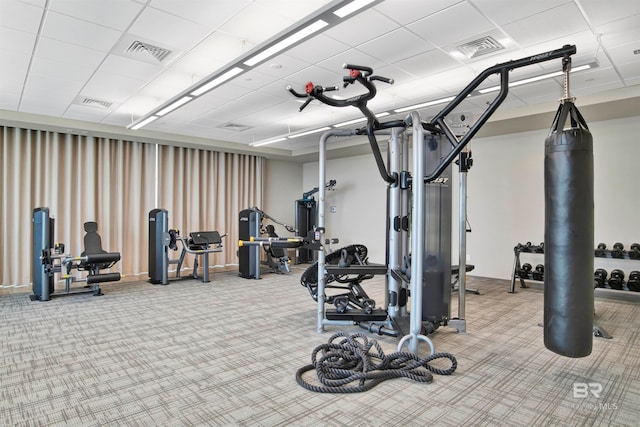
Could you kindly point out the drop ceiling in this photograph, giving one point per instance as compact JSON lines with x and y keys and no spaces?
{"x":109,"y":63}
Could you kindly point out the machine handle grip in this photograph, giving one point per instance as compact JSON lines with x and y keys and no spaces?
{"x":294,"y":93}
{"x":382,"y":79}
{"x":365,"y":70}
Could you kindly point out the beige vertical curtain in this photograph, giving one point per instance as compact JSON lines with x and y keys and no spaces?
{"x":205,"y":191}
{"x":79,"y":178}
{"x":113,"y":182}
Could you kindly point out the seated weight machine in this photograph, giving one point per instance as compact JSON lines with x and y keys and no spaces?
{"x":49,"y":258}
{"x":251,"y":231}
{"x":305,"y":209}
{"x":428,"y":188}
{"x":162,"y":239}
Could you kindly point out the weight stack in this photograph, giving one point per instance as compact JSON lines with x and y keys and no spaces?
{"x":568,"y":235}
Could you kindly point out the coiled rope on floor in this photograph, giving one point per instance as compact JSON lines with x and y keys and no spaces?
{"x":357,"y":358}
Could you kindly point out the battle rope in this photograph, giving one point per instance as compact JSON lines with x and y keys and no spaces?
{"x":352,"y":359}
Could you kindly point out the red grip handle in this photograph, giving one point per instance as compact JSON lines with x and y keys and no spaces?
{"x":309,"y":88}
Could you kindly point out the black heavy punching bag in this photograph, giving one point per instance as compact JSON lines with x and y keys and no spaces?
{"x":568,"y":235}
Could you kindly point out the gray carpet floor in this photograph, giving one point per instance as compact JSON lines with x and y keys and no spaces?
{"x":226,"y":353}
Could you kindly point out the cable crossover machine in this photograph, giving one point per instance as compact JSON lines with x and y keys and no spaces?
{"x":418,"y":205}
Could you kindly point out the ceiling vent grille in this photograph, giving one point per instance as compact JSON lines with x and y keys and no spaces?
{"x":93,"y":102}
{"x":234,"y":127}
{"x":480,"y":47}
{"x":139,"y":47}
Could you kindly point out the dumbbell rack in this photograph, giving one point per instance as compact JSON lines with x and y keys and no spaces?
{"x":517,"y":272}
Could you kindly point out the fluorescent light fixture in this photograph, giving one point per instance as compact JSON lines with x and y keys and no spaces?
{"x":169,"y":108}
{"x":424,"y":104}
{"x":535,"y":79}
{"x":143,"y":123}
{"x":309,"y":132}
{"x":270,"y":141}
{"x":361,"y":119}
{"x":217,"y":81}
{"x":285,"y":43}
{"x":351,"y":7}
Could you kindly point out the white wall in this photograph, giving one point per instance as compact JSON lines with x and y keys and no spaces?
{"x":360,"y":203}
{"x":505,"y":195}
{"x":283,"y":185}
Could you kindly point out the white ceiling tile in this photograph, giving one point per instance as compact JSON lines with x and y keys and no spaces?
{"x":167,"y":29}
{"x":254,"y":80}
{"x":352,"y":56}
{"x":361,"y":28}
{"x":592,"y":78}
{"x":38,"y":3}
{"x":16,"y":41}
{"x":456,"y":23}
{"x":86,"y":113}
{"x":506,"y":11}
{"x":69,"y":53}
{"x":427,"y":63}
{"x":394,"y":72}
{"x":210,"y":13}
{"x":9,"y":100}
{"x":168,"y":84}
{"x":386,"y":46}
{"x":42,"y":88}
{"x":60,"y":70}
{"x":20,"y":16}
{"x":624,"y":54}
{"x":111,"y":87}
{"x":554,"y":23}
{"x":630,"y":73}
{"x":215,"y":51}
{"x":43,"y":106}
{"x":407,"y":11}
{"x":542,"y":91}
{"x":113,"y":14}
{"x":317,"y":75}
{"x":620,"y":32}
{"x":13,"y":71}
{"x":317,"y":49}
{"x":282,"y":66}
{"x":602,"y":12}
{"x":74,"y":31}
{"x":450,"y":81}
{"x":116,"y":64}
{"x":137,"y":106}
{"x":256,"y":24}
{"x":293,"y":9}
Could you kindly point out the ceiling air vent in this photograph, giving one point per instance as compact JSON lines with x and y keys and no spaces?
{"x":234,"y":127}
{"x":93,"y":102}
{"x":138,"y":47}
{"x":479,"y":47}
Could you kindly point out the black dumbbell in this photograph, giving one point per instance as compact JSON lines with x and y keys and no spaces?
{"x":616,"y":279}
{"x":634,"y":251}
{"x":599,"y":252}
{"x":538,"y":273}
{"x":341,"y":303}
{"x":600,"y":277}
{"x":528,"y":247}
{"x":525,"y":270}
{"x":634,"y":281}
{"x":618,"y":250}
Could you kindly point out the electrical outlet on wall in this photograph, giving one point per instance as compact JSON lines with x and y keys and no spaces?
{"x":468,"y":258}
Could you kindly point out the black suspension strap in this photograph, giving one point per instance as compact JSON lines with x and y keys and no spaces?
{"x":358,"y":358}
